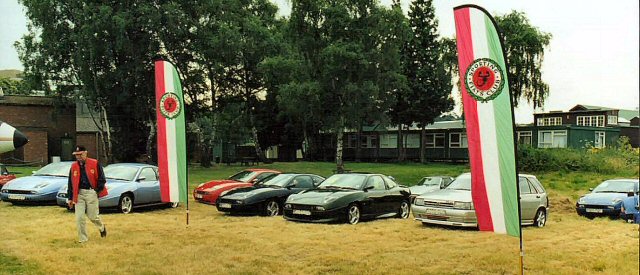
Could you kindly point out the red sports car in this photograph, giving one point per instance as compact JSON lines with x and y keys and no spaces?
{"x":5,"y":176}
{"x":209,"y":192}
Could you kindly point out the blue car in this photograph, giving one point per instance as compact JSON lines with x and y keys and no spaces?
{"x":39,"y":188}
{"x":606,"y":199}
{"x":130,"y":185}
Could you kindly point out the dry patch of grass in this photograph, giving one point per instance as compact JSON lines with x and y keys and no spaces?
{"x":158,"y":242}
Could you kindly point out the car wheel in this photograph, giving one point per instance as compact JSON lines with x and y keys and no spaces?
{"x":353,"y":214}
{"x":541,"y":218}
{"x":125,"y":205}
{"x":174,"y":204}
{"x":403,"y":212}
{"x":271,"y":208}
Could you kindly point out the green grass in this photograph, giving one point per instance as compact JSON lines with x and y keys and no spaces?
{"x":12,"y":265}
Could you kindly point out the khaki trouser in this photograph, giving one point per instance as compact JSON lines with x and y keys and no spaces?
{"x":87,"y":204}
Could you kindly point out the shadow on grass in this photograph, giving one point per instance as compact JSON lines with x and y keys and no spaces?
{"x":12,"y":265}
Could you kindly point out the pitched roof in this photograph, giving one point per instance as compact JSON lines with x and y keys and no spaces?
{"x":626,"y":114}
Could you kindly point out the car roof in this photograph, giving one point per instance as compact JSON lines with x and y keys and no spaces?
{"x":625,"y":180}
{"x":261,"y":170}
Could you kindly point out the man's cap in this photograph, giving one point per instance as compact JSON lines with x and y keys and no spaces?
{"x":79,"y":150}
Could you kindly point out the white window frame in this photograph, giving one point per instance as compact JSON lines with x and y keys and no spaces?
{"x":549,"y":121}
{"x":460,"y":143}
{"x":389,"y":141}
{"x":600,"y":139}
{"x":522,"y":134}
{"x":612,"y":120}
{"x":591,"y":121}
{"x":435,"y":137}
{"x":554,"y":135}
{"x":411,"y":140}
{"x":368,"y":141}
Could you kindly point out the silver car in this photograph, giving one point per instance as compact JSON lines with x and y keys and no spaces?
{"x":454,"y":205}
{"x":429,"y":184}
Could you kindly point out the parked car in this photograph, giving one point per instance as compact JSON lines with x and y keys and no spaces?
{"x":429,"y":184}
{"x":630,"y":209}
{"x":5,"y":175}
{"x":130,"y":185}
{"x":41,"y":187}
{"x":349,"y":197}
{"x":606,"y":198}
{"x":453,"y":205}
{"x":268,"y":196}
{"x":209,"y":192}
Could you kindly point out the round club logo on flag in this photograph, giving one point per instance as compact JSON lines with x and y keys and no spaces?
{"x":484,"y":79}
{"x":170,"y":105}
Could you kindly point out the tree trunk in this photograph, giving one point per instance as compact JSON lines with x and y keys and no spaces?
{"x":423,"y":132}
{"x":339,"y":143}
{"x":152,"y":133}
{"x":108,"y":143}
{"x":359,"y":142}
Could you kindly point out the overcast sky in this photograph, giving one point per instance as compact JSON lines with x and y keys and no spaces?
{"x":592,"y":58}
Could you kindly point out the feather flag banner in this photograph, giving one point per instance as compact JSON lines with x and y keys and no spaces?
{"x":172,"y":151}
{"x":489,"y":118}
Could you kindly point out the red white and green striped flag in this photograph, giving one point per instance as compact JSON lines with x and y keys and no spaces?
{"x":489,"y":118}
{"x":172,"y":149}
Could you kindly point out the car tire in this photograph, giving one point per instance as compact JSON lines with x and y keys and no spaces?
{"x":404,"y":210}
{"x":353,"y":213}
{"x":271,"y":208}
{"x":125,"y":204}
{"x":541,"y":218}
{"x":174,"y":204}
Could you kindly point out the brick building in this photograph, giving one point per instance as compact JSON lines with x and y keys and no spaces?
{"x":49,"y":124}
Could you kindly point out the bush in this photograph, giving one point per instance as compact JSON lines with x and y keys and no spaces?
{"x":620,"y":158}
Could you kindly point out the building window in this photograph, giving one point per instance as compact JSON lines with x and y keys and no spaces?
{"x":351,"y":141}
{"x":592,"y":121}
{"x":389,"y":141}
{"x":458,"y":140}
{"x":549,"y":121}
{"x":368,"y":141}
{"x":612,"y":120}
{"x":412,"y":141}
{"x":434,"y":140}
{"x":552,"y":139}
{"x":524,"y":137}
{"x":599,"y":140}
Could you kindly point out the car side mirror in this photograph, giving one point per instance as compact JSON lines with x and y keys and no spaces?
{"x":141,"y":178}
{"x":631,"y":194}
{"x":368,"y":188}
{"x":590,"y":189}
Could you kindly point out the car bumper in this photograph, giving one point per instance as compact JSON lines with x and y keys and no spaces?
{"x":28,"y":198}
{"x":206,"y":198}
{"x":593,"y":210}
{"x":445,"y":216}
{"x":315,"y":216}
{"x":238,"y":208}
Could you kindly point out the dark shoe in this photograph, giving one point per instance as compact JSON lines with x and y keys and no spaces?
{"x":103,"y":233}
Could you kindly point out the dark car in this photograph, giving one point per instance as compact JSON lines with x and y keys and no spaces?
{"x":349,"y":197}
{"x":268,"y":196}
{"x":606,"y":198}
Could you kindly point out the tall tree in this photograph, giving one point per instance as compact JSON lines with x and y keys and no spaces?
{"x":430,"y":83}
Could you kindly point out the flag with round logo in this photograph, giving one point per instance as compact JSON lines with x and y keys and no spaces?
{"x":489,"y":121}
{"x":172,"y":152}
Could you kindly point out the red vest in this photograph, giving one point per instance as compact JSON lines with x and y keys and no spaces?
{"x":91,"y":168}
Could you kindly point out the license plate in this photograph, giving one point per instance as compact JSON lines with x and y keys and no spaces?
{"x":591,"y":210}
{"x":224,"y":205}
{"x":198,"y":196}
{"x":432,"y":211}
{"x":302,"y":212}
{"x":17,"y":197}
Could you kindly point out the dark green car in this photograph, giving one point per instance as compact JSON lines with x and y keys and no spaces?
{"x":349,"y":197}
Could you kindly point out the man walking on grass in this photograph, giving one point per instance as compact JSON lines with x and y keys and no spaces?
{"x":86,"y":184}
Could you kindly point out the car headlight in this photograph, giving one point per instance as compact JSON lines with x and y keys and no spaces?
{"x":581,"y":200}
{"x":462,"y":205}
{"x":239,"y":201}
{"x":319,"y":208}
{"x":33,"y":192}
{"x":200,"y":185}
{"x":224,"y":193}
{"x":4,"y":191}
{"x":62,"y":195}
{"x":616,"y":200}
{"x":287,"y":206}
{"x":419,"y":201}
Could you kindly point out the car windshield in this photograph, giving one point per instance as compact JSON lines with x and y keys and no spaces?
{"x":58,"y":169}
{"x":615,"y":187}
{"x":243,"y":176}
{"x":429,"y":181}
{"x":346,"y":181}
{"x":277,"y":181}
{"x":119,"y":172}
{"x":462,"y":182}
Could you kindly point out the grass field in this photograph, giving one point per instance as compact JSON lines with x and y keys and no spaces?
{"x":42,"y":239}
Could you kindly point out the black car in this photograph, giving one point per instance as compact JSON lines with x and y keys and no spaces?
{"x":349,"y":197}
{"x":267,"y":196}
